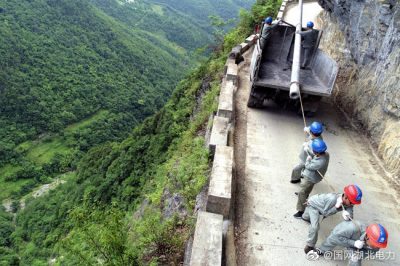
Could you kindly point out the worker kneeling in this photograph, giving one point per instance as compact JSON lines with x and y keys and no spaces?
{"x":360,"y":240}
{"x":324,"y":205}
{"x":314,"y":170}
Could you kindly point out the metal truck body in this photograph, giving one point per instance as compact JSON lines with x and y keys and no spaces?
{"x":270,"y":71}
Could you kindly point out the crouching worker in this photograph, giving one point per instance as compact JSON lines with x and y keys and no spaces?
{"x":360,"y":240}
{"x":314,"y":131}
{"x":324,"y":205}
{"x":314,"y":170}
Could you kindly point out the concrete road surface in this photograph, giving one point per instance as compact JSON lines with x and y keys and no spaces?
{"x":271,"y":235}
{"x":310,"y":11}
{"x":267,"y":233}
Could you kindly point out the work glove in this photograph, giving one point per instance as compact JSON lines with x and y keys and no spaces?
{"x":306,"y":147}
{"x":307,"y":130}
{"x":309,"y":158}
{"x":339,"y":202}
{"x":346,"y":215}
{"x":359,"y":244}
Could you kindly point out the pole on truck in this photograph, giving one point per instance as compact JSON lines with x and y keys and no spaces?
{"x":295,"y":77}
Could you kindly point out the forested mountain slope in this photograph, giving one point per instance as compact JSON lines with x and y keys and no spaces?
{"x":75,"y":74}
{"x":115,"y":209}
{"x":62,"y":61}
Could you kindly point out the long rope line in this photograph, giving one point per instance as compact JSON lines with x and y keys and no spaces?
{"x":305,"y":124}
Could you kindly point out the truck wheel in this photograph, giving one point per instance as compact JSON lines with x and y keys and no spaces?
{"x":252,"y":102}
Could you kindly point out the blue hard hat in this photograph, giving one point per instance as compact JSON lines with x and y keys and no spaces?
{"x":318,"y":145}
{"x":268,"y":20}
{"x":316,"y":128}
{"x":310,"y":24}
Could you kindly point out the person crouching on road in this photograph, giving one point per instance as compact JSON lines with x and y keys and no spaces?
{"x":314,"y":170}
{"x":361,"y":241}
{"x":324,"y":205}
{"x":314,"y":131}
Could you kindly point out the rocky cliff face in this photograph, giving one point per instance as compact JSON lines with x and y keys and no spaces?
{"x":364,"y":36}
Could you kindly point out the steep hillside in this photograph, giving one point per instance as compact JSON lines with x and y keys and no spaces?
{"x":197,"y":10}
{"x":75,"y":74}
{"x":65,"y":61}
{"x":368,"y":35}
{"x":130,"y":202}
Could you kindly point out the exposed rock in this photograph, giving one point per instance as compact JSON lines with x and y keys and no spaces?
{"x":173,"y":204}
{"x":140,"y":211}
{"x":364,"y":37}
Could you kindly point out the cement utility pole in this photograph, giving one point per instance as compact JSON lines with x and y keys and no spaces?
{"x":295,"y":78}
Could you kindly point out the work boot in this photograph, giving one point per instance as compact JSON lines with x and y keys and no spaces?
{"x":295,"y":181}
{"x":298,"y":215}
{"x":296,"y":193}
{"x":308,"y":249}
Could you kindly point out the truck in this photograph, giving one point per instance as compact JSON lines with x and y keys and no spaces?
{"x":271,"y":69}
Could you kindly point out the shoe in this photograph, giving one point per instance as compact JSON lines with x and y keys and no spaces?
{"x":298,"y":215}
{"x":305,"y":220}
{"x":296,"y":193}
{"x":295,"y":181}
{"x":308,"y":249}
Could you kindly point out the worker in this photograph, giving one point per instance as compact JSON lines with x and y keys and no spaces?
{"x":324,"y":205}
{"x":360,"y":240}
{"x":266,"y":31}
{"x":314,"y":131}
{"x":314,"y":170}
{"x":309,"y":40}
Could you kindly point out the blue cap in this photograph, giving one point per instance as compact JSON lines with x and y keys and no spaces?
{"x":318,"y":145}
{"x":316,"y":128}
{"x":268,"y":20}
{"x":310,"y":24}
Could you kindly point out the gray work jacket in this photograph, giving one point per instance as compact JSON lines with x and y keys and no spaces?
{"x":315,"y":165}
{"x":303,"y":155}
{"x":309,"y":38}
{"x":325,"y":204}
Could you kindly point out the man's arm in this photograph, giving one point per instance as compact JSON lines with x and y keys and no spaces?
{"x":314,"y":165}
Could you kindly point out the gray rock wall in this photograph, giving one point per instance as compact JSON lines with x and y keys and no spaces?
{"x":363,"y":35}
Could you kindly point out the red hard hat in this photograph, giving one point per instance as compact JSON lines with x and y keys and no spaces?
{"x":378,"y":235}
{"x":353,"y":193}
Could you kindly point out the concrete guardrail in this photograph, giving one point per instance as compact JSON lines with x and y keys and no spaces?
{"x":208,"y":238}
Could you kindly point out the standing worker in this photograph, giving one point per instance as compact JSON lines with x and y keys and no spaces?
{"x":360,"y":240}
{"x":326,"y":205}
{"x":314,"y":170}
{"x":309,"y":40}
{"x":266,"y":31}
{"x":314,"y":131}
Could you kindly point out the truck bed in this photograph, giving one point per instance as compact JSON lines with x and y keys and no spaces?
{"x":273,"y":71}
{"x":273,"y":75}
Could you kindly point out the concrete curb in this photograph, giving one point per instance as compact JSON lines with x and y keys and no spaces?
{"x":220,"y":188}
{"x":219,"y":133}
{"x":208,"y":238}
{"x":207,"y":243}
{"x":226,"y":100}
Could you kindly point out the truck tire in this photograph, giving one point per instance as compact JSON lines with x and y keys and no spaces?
{"x":254,"y":102}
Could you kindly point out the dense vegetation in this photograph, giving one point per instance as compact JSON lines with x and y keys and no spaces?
{"x":75,"y":74}
{"x":114,"y":209}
